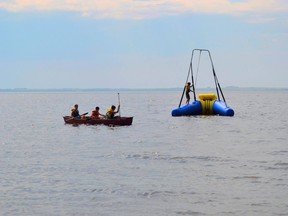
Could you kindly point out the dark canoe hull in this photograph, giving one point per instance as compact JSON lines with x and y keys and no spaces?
{"x":119,"y":121}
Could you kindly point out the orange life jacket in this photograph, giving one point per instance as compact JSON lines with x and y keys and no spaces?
{"x":95,"y":114}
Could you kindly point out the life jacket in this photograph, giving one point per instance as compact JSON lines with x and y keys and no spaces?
{"x":74,"y":112}
{"x":110,"y":113}
{"x":95,"y":114}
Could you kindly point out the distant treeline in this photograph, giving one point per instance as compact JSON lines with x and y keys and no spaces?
{"x":88,"y":89}
{"x":233,"y":88}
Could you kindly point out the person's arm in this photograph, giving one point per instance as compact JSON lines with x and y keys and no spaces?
{"x":192,"y":87}
{"x":102,"y":115}
{"x":118,"y":109}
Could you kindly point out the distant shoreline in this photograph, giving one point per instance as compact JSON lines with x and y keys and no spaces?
{"x":138,"y":89}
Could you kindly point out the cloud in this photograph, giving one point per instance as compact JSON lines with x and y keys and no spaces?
{"x":143,"y":9}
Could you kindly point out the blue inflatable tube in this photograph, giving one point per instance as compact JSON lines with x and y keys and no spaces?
{"x":220,"y":108}
{"x":194,"y":108}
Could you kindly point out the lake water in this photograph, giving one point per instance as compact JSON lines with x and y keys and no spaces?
{"x":161,"y":165}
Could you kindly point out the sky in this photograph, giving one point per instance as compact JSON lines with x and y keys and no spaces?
{"x":142,"y":43}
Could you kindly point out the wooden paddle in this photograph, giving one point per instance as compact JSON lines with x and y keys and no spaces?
{"x":119,"y":104}
{"x":74,"y":117}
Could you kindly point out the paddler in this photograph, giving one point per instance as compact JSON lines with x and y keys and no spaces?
{"x":111,"y":112}
{"x":96,"y":114}
{"x":75,"y":111}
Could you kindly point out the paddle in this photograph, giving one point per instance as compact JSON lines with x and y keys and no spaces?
{"x":73,"y":117}
{"x":119,"y":104}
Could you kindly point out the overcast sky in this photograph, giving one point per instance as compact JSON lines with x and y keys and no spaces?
{"x":141,"y":43}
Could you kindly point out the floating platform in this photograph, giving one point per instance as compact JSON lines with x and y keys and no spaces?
{"x":206,"y":105}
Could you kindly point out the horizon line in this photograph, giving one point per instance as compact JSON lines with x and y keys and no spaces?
{"x":130,"y":89}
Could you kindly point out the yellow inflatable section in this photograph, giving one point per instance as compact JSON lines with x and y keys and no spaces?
{"x":207,"y":101}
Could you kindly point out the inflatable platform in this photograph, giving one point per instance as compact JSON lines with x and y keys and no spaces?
{"x":206,"y":105}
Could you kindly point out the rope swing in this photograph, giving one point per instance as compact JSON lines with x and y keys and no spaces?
{"x":190,"y":73}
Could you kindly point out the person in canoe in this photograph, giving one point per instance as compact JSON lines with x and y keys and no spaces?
{"x":112,"y":111}
{"x":187,"y":91}
{"x":96,"y":114}
{"x":75,"y":112}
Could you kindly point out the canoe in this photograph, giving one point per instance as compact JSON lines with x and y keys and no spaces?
{"x":119,"y":121}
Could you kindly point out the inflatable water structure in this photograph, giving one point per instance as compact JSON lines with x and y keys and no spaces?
{"x":207,"y":104}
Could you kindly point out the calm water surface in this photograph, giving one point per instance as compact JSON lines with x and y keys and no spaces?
{"x":207,"y":165}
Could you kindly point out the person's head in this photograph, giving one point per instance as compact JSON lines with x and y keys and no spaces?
{"x":76,"y":106}
{"x":113,"y":107}
{"x":97,"y":108}
{"x":189,"y":83}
